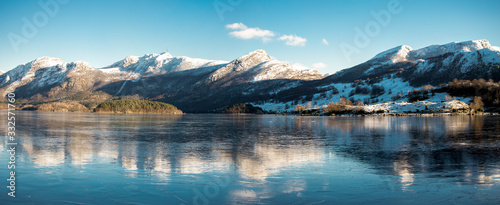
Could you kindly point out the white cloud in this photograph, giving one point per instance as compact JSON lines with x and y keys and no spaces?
{"x":236,"y":26}
{"x":245,"y":33}
{"x":293,"y":40}
{"x":319,"y":65}
{"x":324,"y":41}
{"x":242,"y":31}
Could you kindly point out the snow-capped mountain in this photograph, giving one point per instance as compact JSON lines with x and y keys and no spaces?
{"x":159,"y":75}
{"x":44,"y":74}
{"x":258,"y":66}
{"x":430,"y":65}
{"x":154,"y":64}
{"x":406,"y":53}
{"x":199,"y":85}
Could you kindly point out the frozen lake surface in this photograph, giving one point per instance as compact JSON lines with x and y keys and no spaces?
{"x":88,"y":158}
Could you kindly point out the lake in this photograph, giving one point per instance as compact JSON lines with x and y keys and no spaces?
{"x":89,"y":158}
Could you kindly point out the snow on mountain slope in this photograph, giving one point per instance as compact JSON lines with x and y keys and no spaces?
{"x":437,"y":50}
{"x":471,"y":59}
{"x":46,"y":73}
{"x":241,"y":64}
{"x":184,"y":63}
{"x":432,"y":63}
{"x":134,"y":68}
{"x":406,"y":53}
{"x":258,"y":66}
{"x":464,"y":60}
{"x":395,"y":55}
{"x":26,"y":73}
{"x":154,"y":64}
{"x":275,"y":69}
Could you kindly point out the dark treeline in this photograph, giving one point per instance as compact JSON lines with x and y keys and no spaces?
{"x":243,"y":108}
{"x":136,"y":106}
{"x":489,"y":91}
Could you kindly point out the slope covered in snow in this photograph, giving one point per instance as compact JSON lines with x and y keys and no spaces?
{"x":455,"y":47}
{"x":406,"y":53}
{"x":258,"y":66}
{"x":397,"y":54}
{"x":433,"y":64}
{"x":274,"y":69}
{"x":154,"y":64}
{"x":54,"y":70}
{"x":46,"y":74}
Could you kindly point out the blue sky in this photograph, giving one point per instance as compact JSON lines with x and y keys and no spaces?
{"x":103,"y":32}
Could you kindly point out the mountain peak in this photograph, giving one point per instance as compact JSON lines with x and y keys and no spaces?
{"x":396,"y":54}
{"x":46,"y":61}
{"x":249,"y":60}
{"x":129,"y":60}
{"x":261,"y":51}
{"x":256,"y":55}
{"x":478,"y":44}
{"x":163,"y":56}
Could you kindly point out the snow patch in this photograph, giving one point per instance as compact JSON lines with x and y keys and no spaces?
{"x":421,"y":106}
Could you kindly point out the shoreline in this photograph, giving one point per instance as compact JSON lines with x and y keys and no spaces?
{"x":288,"y":114}
{"x":410,"y":114}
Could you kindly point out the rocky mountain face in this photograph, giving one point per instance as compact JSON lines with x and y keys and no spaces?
{"x":199,"y":85}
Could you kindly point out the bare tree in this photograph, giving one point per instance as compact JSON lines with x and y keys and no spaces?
{"x":345,"y":101}
{"x":300,"y":108}
{"x":360,"y":107}
{"x":477,"y":104}
{"x":332,"y":107}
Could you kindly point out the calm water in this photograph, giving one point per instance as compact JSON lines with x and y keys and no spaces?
{"x":83,"y":158}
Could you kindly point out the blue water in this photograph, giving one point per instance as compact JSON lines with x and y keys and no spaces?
{"x":86,"y":158}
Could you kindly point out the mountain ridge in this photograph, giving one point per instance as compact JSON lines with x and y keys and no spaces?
{"x":195,"y":85}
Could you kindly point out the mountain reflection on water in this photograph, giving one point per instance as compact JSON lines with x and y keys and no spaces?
{"x":257,"y":158}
